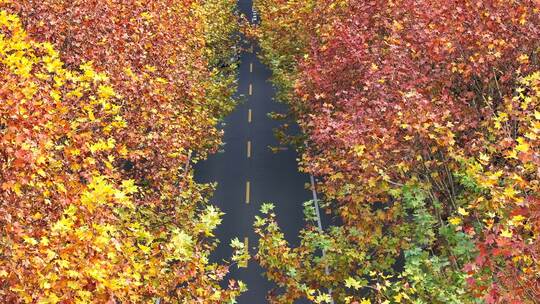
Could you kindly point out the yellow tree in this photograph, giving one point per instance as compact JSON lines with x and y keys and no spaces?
{"x":95,"y":138}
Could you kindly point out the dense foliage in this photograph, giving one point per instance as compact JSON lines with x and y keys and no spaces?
{"x":102,"y":106}
{"x":422,"y":121}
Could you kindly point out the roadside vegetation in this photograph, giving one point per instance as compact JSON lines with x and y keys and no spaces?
{"x":103,"y":106}
{"x":421,"y":120}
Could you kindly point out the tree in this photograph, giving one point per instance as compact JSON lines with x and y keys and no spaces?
{"x":398,"y":101}
{"x":98,"y":202}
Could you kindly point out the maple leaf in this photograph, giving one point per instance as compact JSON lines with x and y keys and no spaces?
{"x":462,"y":211}
{"x":506,"y":233}
{"x":353,"y":283}
{"x":129,"y":186}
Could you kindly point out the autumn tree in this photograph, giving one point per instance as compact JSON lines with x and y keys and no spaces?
{"x":103,"y":107}
{"x":418,"y":119}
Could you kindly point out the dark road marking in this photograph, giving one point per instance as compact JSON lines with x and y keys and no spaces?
{"x":248,"y":186}
{"x":249,"y":149}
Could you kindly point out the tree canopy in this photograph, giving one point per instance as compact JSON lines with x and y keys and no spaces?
{"x":104,"y":104}
{"x":421,"y":120}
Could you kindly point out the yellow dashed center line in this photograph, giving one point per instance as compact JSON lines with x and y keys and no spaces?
{"x":250,"y":89}
{"x":251,"y":67}
{"x":249,"y":149}
{"x":248,"y":186}
{"x":246,"y":245}
{"x":249,"y":115}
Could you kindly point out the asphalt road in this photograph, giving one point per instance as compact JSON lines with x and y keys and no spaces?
{"x":247,"y":162}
